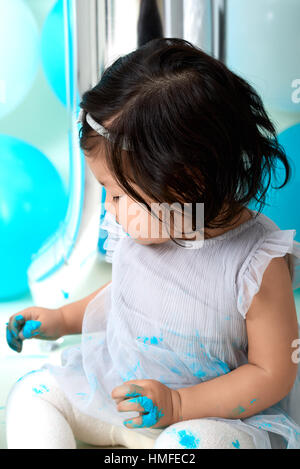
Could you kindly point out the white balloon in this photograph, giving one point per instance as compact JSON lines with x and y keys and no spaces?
{"x":19,"y":53}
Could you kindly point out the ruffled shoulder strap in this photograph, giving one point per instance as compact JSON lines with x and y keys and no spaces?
{"x":276,"y":243}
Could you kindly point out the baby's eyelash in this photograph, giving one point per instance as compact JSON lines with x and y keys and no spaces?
{"x":116,"y":197}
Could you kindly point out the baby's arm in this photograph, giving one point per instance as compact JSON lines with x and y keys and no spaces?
{"x":270,"y":373}
{"x":73,"y":313}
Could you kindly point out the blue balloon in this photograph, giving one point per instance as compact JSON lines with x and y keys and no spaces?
{"x":55,"y":53}
{"x":33,"y":202}
{"x":284,"y":203}
{"x":19,"y":53}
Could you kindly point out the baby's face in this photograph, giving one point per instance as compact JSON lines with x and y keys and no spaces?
{"x":133,"y":216}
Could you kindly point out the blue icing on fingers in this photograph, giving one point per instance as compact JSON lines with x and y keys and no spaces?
{"x":31,"y":329}
{"x":153,"y":414}
{"x":19,"y":317}
{"x":14,"y":333}
{"x":14,"y":343}
{"x":134,"y":393}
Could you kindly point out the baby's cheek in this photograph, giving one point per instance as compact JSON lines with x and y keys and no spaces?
{"x":136,"y":224}
{"x":139,"y":223}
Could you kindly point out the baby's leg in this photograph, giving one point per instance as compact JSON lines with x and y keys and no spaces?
{"x":39,"y":416}
{"x":204,"y":434}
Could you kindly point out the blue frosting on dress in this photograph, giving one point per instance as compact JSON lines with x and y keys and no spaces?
{"x":176,"y":313}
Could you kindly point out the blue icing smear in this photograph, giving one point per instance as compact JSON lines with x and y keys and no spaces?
{"x":41,"y":389}
{"x":14,"y":333}
{"x":65,"y":294}
{"x":82,"y":395}
{"x":213,"y":366}
{"x":11,"y":340}
{"x":199,"y":373}
{"x":29,"y":373}
{"x":239,"y":410}
{"x":175,"y":370}
{"x":153,"y":340}
{"x":150,"y":340}
{"x":31,"y":329}
{"x":19,"y":317}
{"x":188,"y":440}
{"x":236,"y":444}
{"x":153,"y":414}
{"x":93,"y":382}
{"x":131,"y":374}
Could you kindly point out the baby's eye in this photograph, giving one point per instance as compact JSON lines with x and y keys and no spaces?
{"x":116,"y":198}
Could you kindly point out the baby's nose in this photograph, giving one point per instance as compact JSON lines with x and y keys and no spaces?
{"x":109,"y":208}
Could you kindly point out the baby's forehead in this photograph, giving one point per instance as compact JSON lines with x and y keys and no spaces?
{"x":99,"y":167}
{"x":105,"y":178}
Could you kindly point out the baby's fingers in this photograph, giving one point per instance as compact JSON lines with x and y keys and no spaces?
{"x":12,"y":332}
{"x":14,"y":343}
{"x":136,"y":422}
{"x":15,"y":324}
{"x":30,"y":329}
{"x":129,"y":405}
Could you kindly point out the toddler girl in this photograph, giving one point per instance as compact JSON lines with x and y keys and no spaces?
{"x":194,"y":342}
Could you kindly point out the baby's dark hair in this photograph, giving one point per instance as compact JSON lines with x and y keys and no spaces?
{"x":196,"y":131}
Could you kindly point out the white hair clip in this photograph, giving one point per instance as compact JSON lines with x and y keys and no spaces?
{"x":98,"y":128}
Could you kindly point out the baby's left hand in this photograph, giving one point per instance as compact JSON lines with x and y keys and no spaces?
{"x":159,"y":406}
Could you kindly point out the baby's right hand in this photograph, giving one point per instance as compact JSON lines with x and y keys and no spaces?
{"x":34,"y":322}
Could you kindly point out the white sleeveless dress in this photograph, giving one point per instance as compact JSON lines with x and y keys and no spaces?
{"x":176,"y":314}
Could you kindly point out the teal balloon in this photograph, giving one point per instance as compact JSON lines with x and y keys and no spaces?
{"x":19,"y":53}
{"x":33,"y":202}
{"x":55,"y":53}
{"x":262,"y":45}
{"x":284,"y":203}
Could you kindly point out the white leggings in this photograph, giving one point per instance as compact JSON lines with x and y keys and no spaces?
{"x":39,"y":416}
